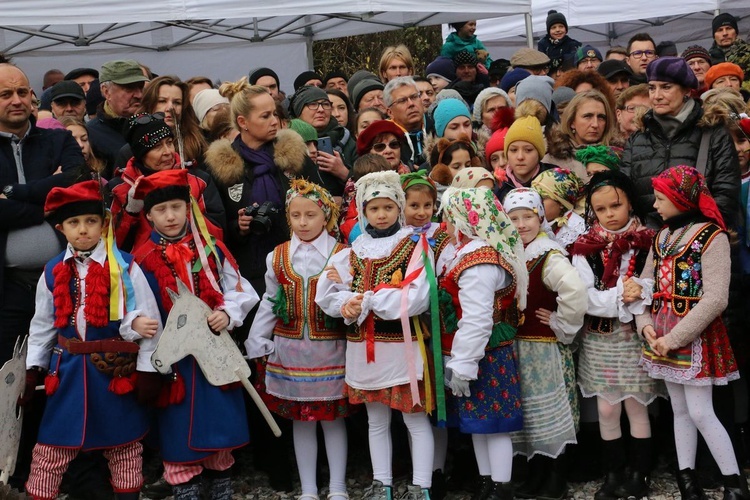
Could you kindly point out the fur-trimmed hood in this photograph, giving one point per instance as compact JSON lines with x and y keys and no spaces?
{"x":227,"y":166}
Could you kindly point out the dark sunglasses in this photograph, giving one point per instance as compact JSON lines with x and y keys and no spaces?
{"x":379,"y":147}
{"x":145,"y":118}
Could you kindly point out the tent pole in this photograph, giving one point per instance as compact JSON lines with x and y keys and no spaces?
{"x":308,"y":33}
{"x":529,"y":30}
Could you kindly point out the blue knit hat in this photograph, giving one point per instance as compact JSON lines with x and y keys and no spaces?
{"x":443,"y":67}
{"x":447,"y":110}
{"x":512,"y":77}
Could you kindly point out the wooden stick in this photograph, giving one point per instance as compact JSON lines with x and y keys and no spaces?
{"x":259,"y":403}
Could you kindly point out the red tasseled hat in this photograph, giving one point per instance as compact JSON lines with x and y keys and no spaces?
{"x":78,"y":199}
{"x":163,"y":186}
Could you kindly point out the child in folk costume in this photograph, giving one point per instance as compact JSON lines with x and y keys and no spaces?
{"x":561,"y":191}
{"x":199,"y":424}
{"x":687,"y":343}
{"x":306,"y":349}
{"x":86,"y":334}
{"x":483,"y":287}
{"x":555,"y":309}
{"x":384,"y":284}
{"x":610,"y":259}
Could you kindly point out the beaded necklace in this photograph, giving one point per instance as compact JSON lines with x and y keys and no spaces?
{"x":631,"y":264}
{"x":667,"y":249}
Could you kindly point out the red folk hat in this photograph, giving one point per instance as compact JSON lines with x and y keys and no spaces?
{"x":163,"y":186}
{"x":368,"y":135}
{"x":78,"y":199}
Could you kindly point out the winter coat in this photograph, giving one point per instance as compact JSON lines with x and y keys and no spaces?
{"x":649,"y":152}
{"x":455,"y":44}
{"x":107,"y":136}
{"x":737,"y":53}
{"x":557,"y":50}
{"x":234,"y":179}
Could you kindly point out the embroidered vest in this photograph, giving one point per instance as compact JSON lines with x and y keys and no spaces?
{"x":539,"y":297}
{"x":687,"y":272}
{"x":505,"y":314}
{"x":368,"y":274}
{"x":294,"y":304}
{"x":608,"y":325}
{"x":441,"y":239}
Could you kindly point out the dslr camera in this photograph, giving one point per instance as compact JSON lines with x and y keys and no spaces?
{"x":261,"y":223}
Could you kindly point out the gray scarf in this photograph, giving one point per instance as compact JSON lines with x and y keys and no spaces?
{"x":670,"y":124}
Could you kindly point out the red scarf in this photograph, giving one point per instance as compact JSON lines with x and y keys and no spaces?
{"x":598,"y":239}
{"x":96,"y":303}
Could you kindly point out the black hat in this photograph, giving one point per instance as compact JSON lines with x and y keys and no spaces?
{"x":335,"y":74}
{"x":612,"y":67}
{"x":666,"y":48}
{"x":465,"y":57}
{"x":258,"y":73}
{"x":67,"y":88}
{"x":145,"y":132}
{"x":554,"y":17}
{"x":72,"y":75}
{"x":724,"y":19}
{"x":305,"y":77}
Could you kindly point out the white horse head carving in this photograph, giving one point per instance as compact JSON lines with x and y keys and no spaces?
{"x":187,"y":333}
{"x":12,"y":382}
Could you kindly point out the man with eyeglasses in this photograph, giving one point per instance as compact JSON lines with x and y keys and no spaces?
{"x":641,"y":51}
{"x":68,"y":99}
{"x":405,"y":109}
{"x":122,"y":84}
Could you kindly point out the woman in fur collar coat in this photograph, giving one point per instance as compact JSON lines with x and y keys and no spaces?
{"x":253,"y":172}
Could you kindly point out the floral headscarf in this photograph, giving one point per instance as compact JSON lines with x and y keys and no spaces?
{"x":319,"y":195}
{"x":470,"y":177}
{"x":524,"y":198}
{"x":385,"y":184}
{"x":562,"y":186}
{"x":686,"y":188}
{"x":476,"y":213}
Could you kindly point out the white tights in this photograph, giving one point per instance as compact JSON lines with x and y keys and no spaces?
{"x":494,"y":454}
{"x":306,"y":452}
{"x":694,"y":411}
{"x":609,"y":419}
{"x":381,"y":446}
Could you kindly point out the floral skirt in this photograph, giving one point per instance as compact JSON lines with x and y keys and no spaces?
{"x":549,"y":399}
{"x":495,"y":403}
{"x":707,"y":360}
{"x":306,"y":411}
{"x":397,"y":397}
{"x":608,"y":366}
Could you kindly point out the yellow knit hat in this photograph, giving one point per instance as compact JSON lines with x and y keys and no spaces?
{"x":526,"y":129}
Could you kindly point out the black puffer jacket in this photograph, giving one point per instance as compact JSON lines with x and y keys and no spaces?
{"x":649,"y":152}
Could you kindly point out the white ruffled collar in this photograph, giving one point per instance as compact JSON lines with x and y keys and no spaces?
{"x":542,"y":244}
{"x":367,"y":247}
{"x":569,"y":233}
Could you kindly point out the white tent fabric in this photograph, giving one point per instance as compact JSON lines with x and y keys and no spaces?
{"x":226,"y":37}
{"x":603,"y":25}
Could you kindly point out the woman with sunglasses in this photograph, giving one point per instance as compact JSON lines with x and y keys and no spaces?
{"x":386,"y":139}
{"x":153,"y":147}
{"x":312,"y":105}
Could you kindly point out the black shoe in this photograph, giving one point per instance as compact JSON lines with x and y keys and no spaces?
{"x":483,"y":488}
{"x":538,"y":466}
{"x":187,"y":491}
{"x":636,"y":479}
{"x":687,"y":482}
{"x":555,"y":484}
{"x":158,"y":490}
{"x":735,"y":488}
{"x":439,"y":489}
{"x":613,"y":482}
{"x":501,"y":491}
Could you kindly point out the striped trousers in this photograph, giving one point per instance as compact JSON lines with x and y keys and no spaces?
{"x":49,"y":463}
{"x":176,"y":473}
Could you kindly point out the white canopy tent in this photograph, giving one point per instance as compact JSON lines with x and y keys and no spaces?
{"x":604,"y":24}
{"x":222,"y":39}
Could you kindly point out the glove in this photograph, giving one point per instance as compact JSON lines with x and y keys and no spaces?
{"x":34,"y":378}
{"x":459,"y":387}
{"x":134,"y":205}
{"x":148,"y":387}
